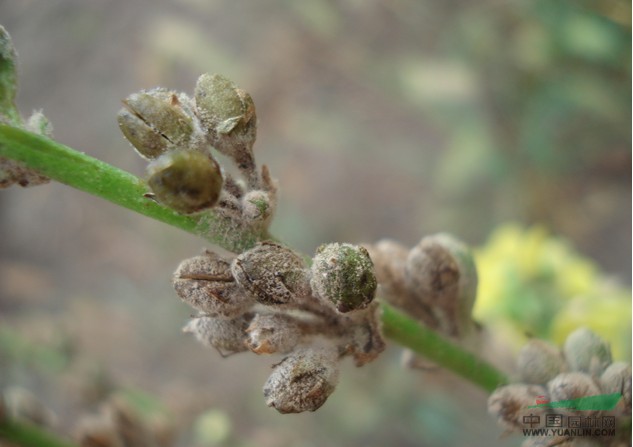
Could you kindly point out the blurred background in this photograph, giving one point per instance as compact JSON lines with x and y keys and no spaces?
{"x":505,"y":123}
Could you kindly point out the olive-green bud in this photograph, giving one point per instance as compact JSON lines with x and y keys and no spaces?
{"x":155,"y":121}
{"x":303,"y":381}
{"x":185,"y":181}
{"x":587,"y":352}
{"x":509,"y":404}
{"x":228,"y":336}
{"x":440,"y":274}
{"x":223,"y":108}
{"x":205,"y":283}
{"x":617,"y":379}
{"x":343,"y":274}
{"x":273,"y":333}
{"x":539,"y":362}
{"x":271,"y":273}
{"x":8,"y":80}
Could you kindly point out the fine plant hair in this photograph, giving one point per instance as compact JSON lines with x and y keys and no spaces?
{"x":261,"y":296}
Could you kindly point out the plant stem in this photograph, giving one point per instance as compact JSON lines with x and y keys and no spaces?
{"x":28,"y":435}
{"x":76,"y":169}
{"x":402,"y":329}
{"x":88,"y":174}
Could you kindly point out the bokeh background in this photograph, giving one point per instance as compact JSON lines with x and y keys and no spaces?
{"x":380,"y":119}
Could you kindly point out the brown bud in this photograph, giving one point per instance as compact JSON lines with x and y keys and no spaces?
{"x":509,"y":404}
{"x":572,"y":385}
{"x":273,"y":333}
{"x":441,"y":276}
{"x":271,"y":273}
{"x":303,"y":381}
{"x":226,"y":335}
{"x":539,"y":362}
{"x":389,"y":258}
{"x":205,"y":283}
{"x":617,"y":379}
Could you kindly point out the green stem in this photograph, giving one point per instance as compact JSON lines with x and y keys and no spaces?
{"x":404,"y":330}
{"x":76,"y":169}
{"x":28,"y":435}
{"x":83,"y":172}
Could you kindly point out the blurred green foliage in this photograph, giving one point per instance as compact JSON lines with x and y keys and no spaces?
{"x":535,"y":284}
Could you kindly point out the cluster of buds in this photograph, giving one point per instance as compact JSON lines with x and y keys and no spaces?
{"x":434,"y":282}
{"x":178,"y":134}
{"x":268,"y":301}
{"x":265,"y":299}
{"x":550,"y":379}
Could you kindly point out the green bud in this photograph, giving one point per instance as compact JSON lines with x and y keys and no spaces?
{"x":303,"y":381}
{"x":271,"y":273}
{"x":222,"y":107}
{"x":185,"y":181}
{"x":587,"y":352}
{"x":539,"y":362}
{"x":343,"y":274}
{"x":157,"y":120}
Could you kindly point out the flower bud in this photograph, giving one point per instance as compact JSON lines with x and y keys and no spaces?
{"x":258,"y":207}
{"x":273,"y":333}
{"x":302,"y":381}
{"x":343,"y":274}
{"x":539,"y":362}
{"x":587,"y":352}
{"x":389,"y":258}
{"x":155,"y":121}
{"x":441,"y":275}
{"x":226,"y":335}
{"x":8,"y":79}
{"x":205,"y":283}
{"x":271,"y":273}
{"x":509,"y":404}
{"x":185,"y":181}
{"x":223,"y":108}
{"x":570,"y":386}
{"x":617,"y":379}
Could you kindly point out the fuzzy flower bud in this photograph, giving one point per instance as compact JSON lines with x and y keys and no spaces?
{"x":205,"y":283}
{"x":343,"y":274}
{"x":185,"y":181}
{"x":226,"y":335}
{"x":569,"y":386}
{"x":273,"y":333}
{"x":587,"y":352}
{"x":302,"y":381}
{"x":617,"y":379}
{"x":509,"y":404}
{"x":539,"y":362}
{"x":271,"y":273}
{"x":258,"y":207}
{"x":156,"y":120}
{"x":440,"y":274}
{"x":228,"y":114}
